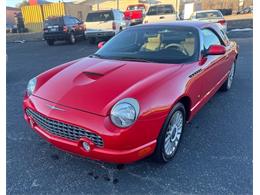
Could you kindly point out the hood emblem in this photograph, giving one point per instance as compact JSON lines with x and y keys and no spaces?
{"x":54,"y":108}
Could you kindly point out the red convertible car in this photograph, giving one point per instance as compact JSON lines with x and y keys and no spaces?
{"x":132,"y":97}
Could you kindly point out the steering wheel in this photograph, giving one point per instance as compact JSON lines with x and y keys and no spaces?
{"x":179,"y":47}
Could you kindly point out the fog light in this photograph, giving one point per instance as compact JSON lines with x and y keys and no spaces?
{"x":86,"y":146}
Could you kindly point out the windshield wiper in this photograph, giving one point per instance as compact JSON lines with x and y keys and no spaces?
{"x":134,"y":59}
{"x":121,"y":58}
{"x":95,"y":56}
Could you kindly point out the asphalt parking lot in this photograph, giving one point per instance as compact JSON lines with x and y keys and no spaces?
{"x":215,"y":156}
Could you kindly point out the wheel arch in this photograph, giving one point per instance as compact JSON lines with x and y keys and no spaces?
{"x":186,"y":101}
{"x":236,"y":57}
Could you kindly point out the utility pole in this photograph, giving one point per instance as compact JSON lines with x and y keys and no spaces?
{"x":176,"y":6}
{"x":97,"y":2}
{"x":117,"y":2}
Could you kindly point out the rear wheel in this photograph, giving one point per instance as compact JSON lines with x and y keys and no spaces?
{"x":170,"y":135}
{"x":83,"y":36}
{"x":50,"y":42}
{"x":228,"y":83}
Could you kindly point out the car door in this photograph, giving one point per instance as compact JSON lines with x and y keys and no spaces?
{"x":215,"y":67}
{"x":69,"y":23}
{"x":76,"y":26}
{"x":230,"y":53}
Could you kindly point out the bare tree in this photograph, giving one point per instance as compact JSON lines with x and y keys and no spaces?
{"x":23,"y":3}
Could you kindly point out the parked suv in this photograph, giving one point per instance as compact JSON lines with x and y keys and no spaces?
{"x":160,"y":13}
{"x":104,"y":24}
{"x":66,"y":28}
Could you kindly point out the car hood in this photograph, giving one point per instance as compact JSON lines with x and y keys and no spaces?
{"x":94,"y":85}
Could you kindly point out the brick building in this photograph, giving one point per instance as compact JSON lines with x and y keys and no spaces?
{"x":10,"y":14}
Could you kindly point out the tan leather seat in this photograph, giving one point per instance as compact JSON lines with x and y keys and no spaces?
{"x":152,"y":44}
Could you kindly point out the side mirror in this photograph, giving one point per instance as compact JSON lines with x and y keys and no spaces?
{"x":216,"y":50}
{"x":101,"y":44}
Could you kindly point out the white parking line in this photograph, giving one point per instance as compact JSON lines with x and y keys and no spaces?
{"x":240,"y":29}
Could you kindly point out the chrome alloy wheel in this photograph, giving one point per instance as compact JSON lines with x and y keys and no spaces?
{"x":173,"y":133}
{"x":231,"y":76}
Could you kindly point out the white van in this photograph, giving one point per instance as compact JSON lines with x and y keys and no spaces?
{"x":160,"y":13}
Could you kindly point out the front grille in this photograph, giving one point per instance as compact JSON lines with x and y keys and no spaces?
{"x":63,"y":130}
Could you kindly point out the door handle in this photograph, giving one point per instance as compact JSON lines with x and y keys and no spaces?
{"x":162,"y":17}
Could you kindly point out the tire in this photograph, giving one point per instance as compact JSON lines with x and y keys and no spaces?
{"x":170,"y":135}
{"x":92,"y":40}
{"x":83,"y":36}
{"x":228,"y":83}
{"x":72,"y":38}
{"x":50,"y":42}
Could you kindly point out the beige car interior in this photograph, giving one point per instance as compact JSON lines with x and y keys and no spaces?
{"x":155,"y":43}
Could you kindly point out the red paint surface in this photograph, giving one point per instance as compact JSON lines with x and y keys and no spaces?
{"x":87,"y":99}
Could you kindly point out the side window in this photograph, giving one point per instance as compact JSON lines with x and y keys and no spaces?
{"x":210,"y":38}
{"x":224,"y":37}
{"x":117,"y":15}
{"x":73,"y":20}
{"x":76,"y":20}
{"x":68,"y":20}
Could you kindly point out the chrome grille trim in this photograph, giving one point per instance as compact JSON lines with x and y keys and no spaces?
{"x":63,"y":130}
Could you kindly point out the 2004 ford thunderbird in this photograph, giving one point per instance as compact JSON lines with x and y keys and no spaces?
{"x":132,"y":97}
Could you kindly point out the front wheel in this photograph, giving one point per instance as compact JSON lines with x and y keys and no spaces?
{"x":170,"y":135}
{"x":228,"y":83}
{"x":72,"y":38}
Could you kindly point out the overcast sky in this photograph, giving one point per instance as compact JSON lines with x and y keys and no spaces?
{"x":12,"y":3}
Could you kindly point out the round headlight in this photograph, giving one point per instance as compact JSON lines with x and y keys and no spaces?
{"x":31,"y":86}
{"x":125,"y":112}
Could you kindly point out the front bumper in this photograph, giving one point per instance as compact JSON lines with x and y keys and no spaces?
{"x":120,"y":145}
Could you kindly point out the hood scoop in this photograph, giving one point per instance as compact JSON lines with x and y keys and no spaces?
{"x":96,"y":72}
{"x":93,"y":75}
{"x":102,"y":68}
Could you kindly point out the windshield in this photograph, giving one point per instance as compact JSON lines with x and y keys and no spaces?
{"x":208,"y":15}
{"x":100,"y":16}
{"x":135,"y":7}
{"x":160,"y":10}
{"x":53,"y":21}
{"x":155,"y":44}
